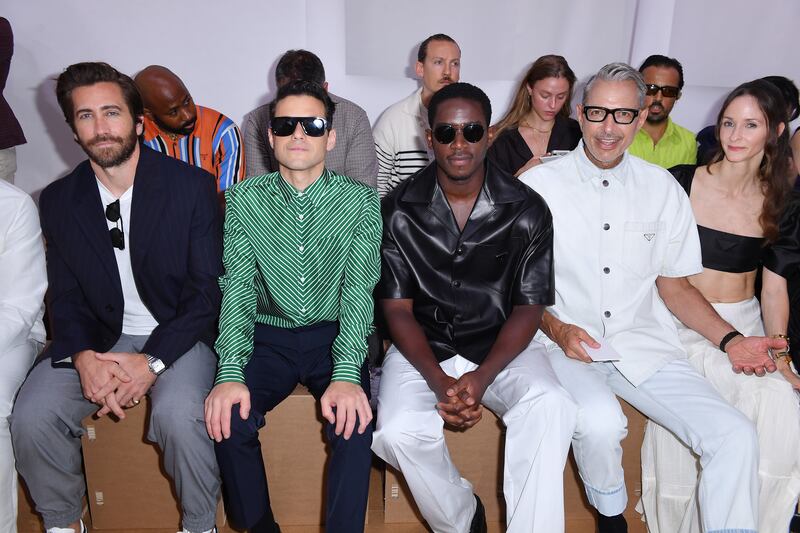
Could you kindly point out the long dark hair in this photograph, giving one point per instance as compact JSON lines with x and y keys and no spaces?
{"x":775,"y":168}
{"x":549,"y":66}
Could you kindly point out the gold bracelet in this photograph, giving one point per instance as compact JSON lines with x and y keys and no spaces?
{"x":783,"y":354}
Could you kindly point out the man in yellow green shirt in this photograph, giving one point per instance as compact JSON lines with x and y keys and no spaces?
{"x":660,"y":141}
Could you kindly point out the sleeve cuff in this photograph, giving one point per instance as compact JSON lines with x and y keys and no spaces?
{"x":346,"y":371}
{"x":229,"y":372}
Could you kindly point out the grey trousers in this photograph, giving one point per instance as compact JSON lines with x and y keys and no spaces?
{"x":46,"y":431}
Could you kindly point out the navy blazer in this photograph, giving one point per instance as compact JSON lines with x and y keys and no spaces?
{"x":176,"y":257}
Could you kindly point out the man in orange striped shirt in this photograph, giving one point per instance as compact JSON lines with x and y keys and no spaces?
{"x":197,"y":135}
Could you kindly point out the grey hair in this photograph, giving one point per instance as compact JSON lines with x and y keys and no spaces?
{"x":617,"y":72}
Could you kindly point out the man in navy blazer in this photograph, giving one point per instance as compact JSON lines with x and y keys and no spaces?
{"x":133,"y":256}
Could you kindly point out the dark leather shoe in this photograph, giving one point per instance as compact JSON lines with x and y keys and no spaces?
{"x":478,"y":524}
{"x":611,"y":524}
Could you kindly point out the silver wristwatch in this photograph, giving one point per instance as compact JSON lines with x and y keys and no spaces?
{"x":155,"y":364}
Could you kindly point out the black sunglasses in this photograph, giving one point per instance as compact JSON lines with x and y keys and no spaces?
{"x":117,"y":236}
{"x":446,"y":133}
{"x":621,"y":115}
{"x":667,"y":91}
{"x":312,"y":126}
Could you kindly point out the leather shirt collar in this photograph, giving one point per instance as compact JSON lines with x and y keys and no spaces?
{"x":424,"y":187}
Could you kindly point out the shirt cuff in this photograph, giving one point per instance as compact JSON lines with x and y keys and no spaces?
{"x":346,"y":371}
{"x":229,"y":373}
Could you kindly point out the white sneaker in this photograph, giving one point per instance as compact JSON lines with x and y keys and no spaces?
{"x":212,"y":530}
{"x":69,"y":529}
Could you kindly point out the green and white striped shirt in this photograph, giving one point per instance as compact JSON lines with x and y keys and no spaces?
{"x":294,"y":259}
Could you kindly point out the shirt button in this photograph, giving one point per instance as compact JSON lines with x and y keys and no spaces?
{"x":606,"y":270}
{"x":460,"y":250}
{"x":607,"y":314}
{"x":301,"y":248}
{"x":300,"y":216}
{"x":303,"y":310}
{"x":605,"y":183}
{"x":606,"y":226}
{"x":302,"y":279}
{"x":456,"y":284}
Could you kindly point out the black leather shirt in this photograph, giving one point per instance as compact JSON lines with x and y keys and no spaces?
{"x":464,"y":284}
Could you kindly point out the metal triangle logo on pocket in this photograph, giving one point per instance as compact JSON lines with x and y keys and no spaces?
{"x":649,"y":236}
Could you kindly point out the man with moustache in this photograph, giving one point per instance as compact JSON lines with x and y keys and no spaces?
{"x":133,"y":256}
{"x":625,"y":241}
{"x":661,"y":141}
{"x":176,"y":126}
{"x":467,"y":272}
{"x":301,"y":261}
{"x":399,"y":133}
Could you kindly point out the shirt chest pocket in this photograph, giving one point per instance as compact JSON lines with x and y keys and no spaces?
{"x":490,"y":263}
{"x":643,"y":245}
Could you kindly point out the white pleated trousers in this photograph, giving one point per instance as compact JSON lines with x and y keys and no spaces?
{"x":539,"y":416}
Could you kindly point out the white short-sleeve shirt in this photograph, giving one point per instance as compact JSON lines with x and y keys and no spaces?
{"x":616,"y":231}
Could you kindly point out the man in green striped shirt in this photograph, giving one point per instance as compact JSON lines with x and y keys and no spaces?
{"x":301,"y":255}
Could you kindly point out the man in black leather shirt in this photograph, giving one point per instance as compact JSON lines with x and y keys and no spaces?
{"x":467,"y":271}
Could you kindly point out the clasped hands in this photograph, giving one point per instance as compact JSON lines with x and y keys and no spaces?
{"x":113,"y":380}
{"x":459,"y":400}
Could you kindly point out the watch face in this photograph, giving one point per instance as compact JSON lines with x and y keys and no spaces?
{"x":156,"y":365}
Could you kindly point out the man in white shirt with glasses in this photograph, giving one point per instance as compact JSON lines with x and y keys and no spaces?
{"x":625,"y":241}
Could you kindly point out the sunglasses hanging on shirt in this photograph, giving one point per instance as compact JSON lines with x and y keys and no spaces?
{"x":113,"y":214}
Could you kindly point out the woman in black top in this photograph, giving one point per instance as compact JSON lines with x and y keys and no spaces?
{"x":737,"y":201}
{"x":538,"y":121}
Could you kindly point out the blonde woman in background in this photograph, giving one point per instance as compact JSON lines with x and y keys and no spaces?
{"x":538,"y":121}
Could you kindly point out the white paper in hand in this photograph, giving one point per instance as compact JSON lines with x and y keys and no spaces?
{"x":605,"y":353}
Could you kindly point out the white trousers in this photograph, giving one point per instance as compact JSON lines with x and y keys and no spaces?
{"x":15,"y":362}
{"x":670,"y":470}
{"x":539,"y":417}
{"x":8,"y":163}
{"x":678,"y":398}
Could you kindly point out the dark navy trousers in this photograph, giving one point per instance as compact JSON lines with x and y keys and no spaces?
{"x":281,"y":359}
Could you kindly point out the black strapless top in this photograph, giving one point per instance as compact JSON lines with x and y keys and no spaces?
{"x":726,"y":252}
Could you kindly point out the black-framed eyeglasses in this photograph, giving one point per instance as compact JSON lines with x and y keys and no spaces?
{"x":622,"y":115}
{"x":446,"y":133}
{"x":114,"y":215}
{"x":667,"y":91}
{"x":312,"y":126}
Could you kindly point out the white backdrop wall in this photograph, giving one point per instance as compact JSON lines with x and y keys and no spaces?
{"x":226,"y":55}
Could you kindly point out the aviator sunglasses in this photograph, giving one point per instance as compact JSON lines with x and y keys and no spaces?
{"x":446,"y":133}
{"x":312,"y":126}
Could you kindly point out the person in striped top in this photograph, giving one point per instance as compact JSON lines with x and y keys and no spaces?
{"x":176,"y":126}
{"x":301,"y":256}
{"x":399,"y":133}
